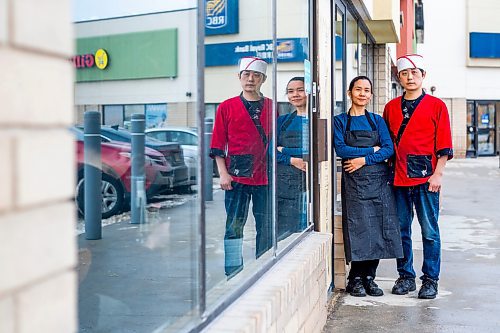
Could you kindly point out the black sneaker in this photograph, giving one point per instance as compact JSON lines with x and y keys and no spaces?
{"x":355,"y":287}
{"x":403,"y":286}
{"x":371,"y":287}
{"x":429,"y":289}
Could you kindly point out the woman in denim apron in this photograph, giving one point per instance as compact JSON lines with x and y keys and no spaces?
{"x":292,"y":138}
{"x":369,"y":219}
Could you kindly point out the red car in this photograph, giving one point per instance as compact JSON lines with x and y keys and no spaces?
{"x":116,"y":175}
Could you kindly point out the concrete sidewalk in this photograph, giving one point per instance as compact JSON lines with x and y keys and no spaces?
{"x":469,"y":292}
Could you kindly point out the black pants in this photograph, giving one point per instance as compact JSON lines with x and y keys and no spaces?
{"x":363,"y":269}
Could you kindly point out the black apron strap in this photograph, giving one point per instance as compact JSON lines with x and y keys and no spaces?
{"x":405,"y":121}
{"x":256,"y":119}
{"x":367,"y":115}
{"x":402,"y":128}
{"x":288,"y":121}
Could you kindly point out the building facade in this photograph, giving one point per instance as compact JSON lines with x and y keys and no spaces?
{"x":463,"y":67}
{"x":167,"y":275}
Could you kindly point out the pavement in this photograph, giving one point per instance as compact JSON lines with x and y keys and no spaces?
{"x":140,"y":278}
{"x":469,"y":293}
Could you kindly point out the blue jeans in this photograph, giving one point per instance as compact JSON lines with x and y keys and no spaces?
{"x":237,"y":202}
{"x":426,"y":206}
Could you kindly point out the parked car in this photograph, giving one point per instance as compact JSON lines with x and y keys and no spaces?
{"x":187,"y":138}
{"x":116,"y":174}
{"x":172,"y":151}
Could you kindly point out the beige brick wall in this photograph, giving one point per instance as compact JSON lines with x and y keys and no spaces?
{"x":37,"y":215}
{"x":382,"y":80}
{"x":291,"y":297}
{"x":457,"y":108}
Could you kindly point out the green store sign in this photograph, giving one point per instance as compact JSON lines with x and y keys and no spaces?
{"x":139,"y":55}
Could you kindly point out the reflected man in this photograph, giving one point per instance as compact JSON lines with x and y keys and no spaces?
{"x":239,"y":146}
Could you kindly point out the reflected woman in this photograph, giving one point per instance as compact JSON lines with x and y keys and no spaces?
{"x":291,"y":134}
{"x":369,"y":220}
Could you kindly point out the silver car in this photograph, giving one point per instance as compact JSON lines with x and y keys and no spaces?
{"x":187,"y":138}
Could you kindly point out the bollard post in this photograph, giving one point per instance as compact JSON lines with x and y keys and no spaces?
{"x":138,"y":195}
{"x":209,"y":171}
{"x":92,"y":175}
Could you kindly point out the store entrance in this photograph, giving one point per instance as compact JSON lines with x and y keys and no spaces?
{"x":481,"y":128}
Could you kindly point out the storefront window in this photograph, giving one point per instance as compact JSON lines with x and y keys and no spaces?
{"x":213,"y":173}
{"x":292,"y":129}
{"x":239,"y":77}
{"x":141,"y":275}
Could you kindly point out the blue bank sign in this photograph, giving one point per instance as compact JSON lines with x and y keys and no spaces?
{"x":228,"y":54}
{"x":221,"y":17}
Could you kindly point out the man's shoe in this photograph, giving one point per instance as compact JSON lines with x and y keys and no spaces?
{"x":355,"y":287}
{"x":429,"y":289}
{"x":371,"y":287}
{"x":403,"y":286}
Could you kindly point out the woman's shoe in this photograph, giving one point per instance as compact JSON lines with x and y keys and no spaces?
{"x":355,"y":287}
{"x":371,"y":287}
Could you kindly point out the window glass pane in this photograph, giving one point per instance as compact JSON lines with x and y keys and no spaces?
{"x":485,"y":128}
{"x":340,"y":87}
{"x":129,"y":111}
{"x":351,"y":59}
{"x":113,"y":114}
{"x":339,"y":62}
{"x":292,"y":129}
{"x":238,"y":210}
{"x":366,"y":61}
{"x":156,"y":115}
{"x":142,"y":274}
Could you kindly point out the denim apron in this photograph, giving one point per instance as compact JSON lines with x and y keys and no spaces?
{"x":291,"y":185}
{"x":369,"y":219}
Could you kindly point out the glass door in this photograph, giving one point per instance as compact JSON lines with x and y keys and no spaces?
{"x":471,"y":130}
{"x":481,"y":128}
{"x":485,"y":128}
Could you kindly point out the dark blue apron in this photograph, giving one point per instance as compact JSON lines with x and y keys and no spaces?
{"x":369,"y":219}
{"x":291,"y":184}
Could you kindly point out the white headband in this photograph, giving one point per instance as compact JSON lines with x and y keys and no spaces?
{"x":410,"y":61}
{"x":253,"y":64}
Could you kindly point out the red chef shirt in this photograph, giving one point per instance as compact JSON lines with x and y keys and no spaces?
{"x":427,"y":134}
{"x":235,"y":134}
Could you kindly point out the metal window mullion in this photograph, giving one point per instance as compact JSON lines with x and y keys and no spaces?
{"x":202,"y":263}
{"x":274,"y":124}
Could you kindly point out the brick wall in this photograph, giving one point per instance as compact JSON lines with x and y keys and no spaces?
{"x":457,"y":108}
{"x":291,"y":297}
{"x":382,"y":81}
{"x":37,"y":215}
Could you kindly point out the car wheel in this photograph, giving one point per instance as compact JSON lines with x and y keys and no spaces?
{"x":112,"y":196}
{"x":184,"y":189}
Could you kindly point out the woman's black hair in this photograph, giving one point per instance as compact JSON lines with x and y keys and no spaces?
{"x":295,"y":78}
{"x":361,"y":77}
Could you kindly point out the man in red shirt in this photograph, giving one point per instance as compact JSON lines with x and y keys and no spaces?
{"x":239,"y":146}
{"x":420,"y":128}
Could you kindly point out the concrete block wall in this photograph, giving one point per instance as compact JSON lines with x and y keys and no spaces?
{"x":382,"y":80}
{"x":340,"y":269}
{"x":457,"y":108}
{"x":291,"y":297}
{"x":38,"y":284}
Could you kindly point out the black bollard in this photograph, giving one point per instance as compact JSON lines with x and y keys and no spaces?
{"x":209,"y":171}
{"x":138,"y":195}
{"x":92,"y":175}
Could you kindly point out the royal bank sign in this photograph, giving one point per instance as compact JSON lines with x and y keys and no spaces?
{"x":221,"y":17}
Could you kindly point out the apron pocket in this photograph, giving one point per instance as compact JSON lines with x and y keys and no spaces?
{"x":367,"y":187}
{"x":241,"y":165}
{"x":419,"y":166}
